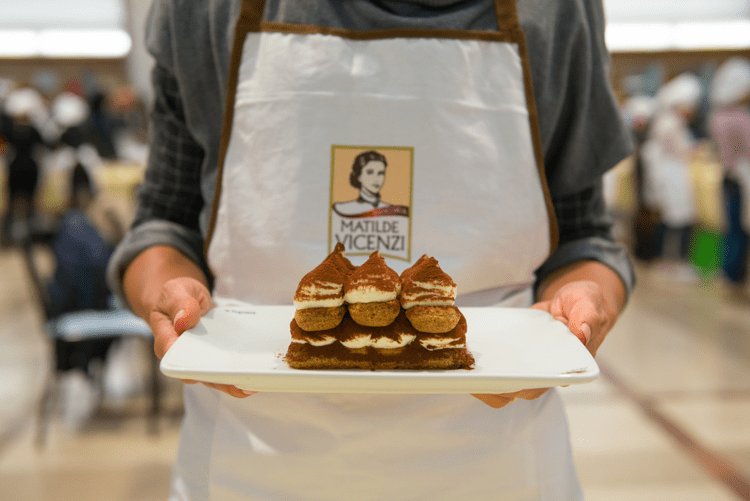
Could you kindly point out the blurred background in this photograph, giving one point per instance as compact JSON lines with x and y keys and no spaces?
{"x":85,"y":413}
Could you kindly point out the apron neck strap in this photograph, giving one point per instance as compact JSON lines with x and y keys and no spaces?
{"x":507,"y":14}
{"x":506,"y":11}
{"x":252,"y":13}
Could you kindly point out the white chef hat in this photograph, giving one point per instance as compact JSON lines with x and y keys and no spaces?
{"x":639,"y":109}
{"x":731,"y":82}
{"x":683,"y":90}
{"x":24,"y":101}
{"x":6,"y":87}
{"x":69,"y":109}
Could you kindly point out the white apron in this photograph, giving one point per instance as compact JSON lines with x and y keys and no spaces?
{"x":452,"y":116}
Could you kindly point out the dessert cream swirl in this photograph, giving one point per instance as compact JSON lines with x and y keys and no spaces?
{"x":319,"y":341}
{"x":368,"y":294}
{"x":319,"y":295}
{"x":428,"y":294}
{"x":441,"y":343}
{"x":372,"y":282}
{"x":323,"y":287}
{"x":425,"y":284}
{"x":361,"y":341}
{"x":391,"y":343}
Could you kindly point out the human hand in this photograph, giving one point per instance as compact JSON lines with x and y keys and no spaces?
{"x":496,"y":401}
{"x":577,"y":306}
{"x":583,"y":307}
{"x":180,"y":304}
{"x":169,"y":291}
{"x":585,"y":296}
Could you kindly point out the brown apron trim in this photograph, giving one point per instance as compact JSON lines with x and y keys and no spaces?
{"x":250,"y":19}
{"x":303,"y":29}
{"x":506,"y":12}
{"x":507,"y":16}
{"x":536,"y":137}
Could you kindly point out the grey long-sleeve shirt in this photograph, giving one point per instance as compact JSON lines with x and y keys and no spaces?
{"x":581,"y":129}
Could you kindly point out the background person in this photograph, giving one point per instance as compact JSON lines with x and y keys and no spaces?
{"x":730,"y":130}
{"x":18,"y":126}
{"x":638,"y":111}
{"x":667,"y":155}
{"x":81,"y":246}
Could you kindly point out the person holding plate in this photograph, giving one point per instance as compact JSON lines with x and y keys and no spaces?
{"x":523,"y":223}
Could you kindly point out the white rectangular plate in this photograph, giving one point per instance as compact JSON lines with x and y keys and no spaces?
{"x":244,"y":345}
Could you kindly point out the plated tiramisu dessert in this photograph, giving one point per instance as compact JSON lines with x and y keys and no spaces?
{"x":368,"y":317}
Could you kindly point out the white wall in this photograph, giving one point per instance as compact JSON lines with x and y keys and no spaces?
{"x":127,"y":15}
{"x":139,"y":61}
{"x":40,"y":14}
{"x":675,"y":10}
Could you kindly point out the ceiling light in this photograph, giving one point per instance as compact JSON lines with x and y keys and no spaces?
{"x":65,"y":43}
{"x":683,"y":36}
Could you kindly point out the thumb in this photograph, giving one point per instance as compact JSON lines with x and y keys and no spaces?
{"x":183,"y":301}
{"x":186,"y":317}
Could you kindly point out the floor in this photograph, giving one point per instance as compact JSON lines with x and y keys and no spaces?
{"x":667,"y":419}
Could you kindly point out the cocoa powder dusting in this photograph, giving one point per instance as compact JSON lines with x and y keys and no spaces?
{"x":342,"y":264}
{"x":338,"y":270}
{"x":427,"y":269}
{"x":308,"y":336}
{"x":335,"y":269}
{"x":373,"y":273}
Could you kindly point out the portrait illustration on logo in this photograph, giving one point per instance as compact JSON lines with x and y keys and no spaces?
{"x":371,"y":200}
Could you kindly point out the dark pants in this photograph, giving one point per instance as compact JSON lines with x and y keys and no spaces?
{"x":79,"y":354}
{"x":735,"y":240}
{"x":23,"y":177}
{"x":673,"y":242}
{"x":646,"y":234}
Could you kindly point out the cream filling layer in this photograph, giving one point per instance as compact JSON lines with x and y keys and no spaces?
{"x":325,"y":341}
{"x":369,"y":295}
{"x":427,"y":289}
{"x":366,"y":340}
{"x":319,"y":295}
{"x":442,"y":343}
{"x":388,"y":343}
{"x":362,"y":341}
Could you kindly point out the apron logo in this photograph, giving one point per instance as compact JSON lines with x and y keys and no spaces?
{"x":370,"y":205}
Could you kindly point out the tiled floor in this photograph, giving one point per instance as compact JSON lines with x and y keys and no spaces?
{"x":666,"y":421}
{"x":668,"y":418}
{"x":115,"y":457}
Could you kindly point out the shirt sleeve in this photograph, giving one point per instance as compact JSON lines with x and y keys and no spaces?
{"x":583,"y":133}
{"x":585,"y":227}
{"x":581,"y":126}
{"x":169,"y":199}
